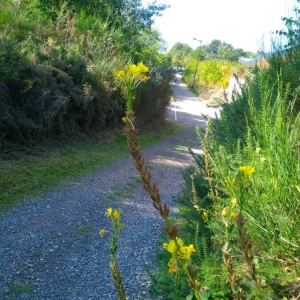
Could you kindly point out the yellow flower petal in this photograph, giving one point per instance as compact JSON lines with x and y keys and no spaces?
{"x":233,"y":214}
{"x":246,"y":170}
{"x":102,"y":232}
{"x":143,"y":68}
{"x":121,"y":74}
{"x":129,"y":74}
{"x":109,"y":211}
{"x":191,"y":248}
{"x":145,"y":78}
{"x":180,"y":242}
{"x":186,"y":252}
{"x":116,"y":214}
{"x":134,"y":68}
{"x":227,"y":181}
{"x":170,"y":247}
{"x":224,"y":211}
{"x":233,"y":202}
{"x":172,"y":265}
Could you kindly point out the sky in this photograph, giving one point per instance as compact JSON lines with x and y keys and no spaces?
{"x":242,"y":23}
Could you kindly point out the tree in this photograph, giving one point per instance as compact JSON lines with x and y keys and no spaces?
{"x":199,"y":53}
{"x":148,"y":46}
{"x":224,"y":51}
{"x":213,"y":47}
{"x":117,"y":13}
{"x":180,"y":53}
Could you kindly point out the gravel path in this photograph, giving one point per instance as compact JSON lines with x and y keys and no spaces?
{"x":50,"y":246}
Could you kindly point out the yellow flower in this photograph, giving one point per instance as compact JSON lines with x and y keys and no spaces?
{"x":143,"y":68}
{"x":121,"y":74}
{"x":246,"y":170}
{"x":227,"y":181}
{"x":124,"y":119}
{"x":109,"y":211}
{"x":233,"y":214}
{"x":180,"y":242}
{"x":116,"y":214}
{"x":224,"y":211}
{"x":170,"y":247}
{"x":144,"y":77}
{"x":205,"y":214}
{"x":186,"y":252}
{"x":172,"y":265}
{"x":134,"y":69}
{"x":102,"y":232}
{"x":129,"y":74}
{"x":233,"y":202}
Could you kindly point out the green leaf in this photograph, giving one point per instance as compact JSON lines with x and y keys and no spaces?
{"x":189,"y":297}
{"x":255,"y":260}
{"x":204,"y":295}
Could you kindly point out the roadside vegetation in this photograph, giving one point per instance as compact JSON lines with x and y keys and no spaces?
{"x":240,"y":207}
{"x":208,"y":68}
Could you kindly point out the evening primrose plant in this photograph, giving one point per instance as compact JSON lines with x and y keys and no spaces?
{"x":180,"y":261}
{"x":115,"y":216}
{"x":233,"y":216}
{"x":131,"y":78}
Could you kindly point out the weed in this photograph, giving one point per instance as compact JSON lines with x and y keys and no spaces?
{"x":131,"y":184}
{"x":122,"y":194}
{"x":18,"y":288}
{"x":57,"y":235}
{"x":83,"y":230}
{"x":136,"y":178}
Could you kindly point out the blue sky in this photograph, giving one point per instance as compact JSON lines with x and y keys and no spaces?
{"x":244,"y":24}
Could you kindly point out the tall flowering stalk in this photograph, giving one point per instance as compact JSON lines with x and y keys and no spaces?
{"x":232,"y":216}
{"x":181,"y":254}
{"x":115,"y":216}
{"x":131,"y":78}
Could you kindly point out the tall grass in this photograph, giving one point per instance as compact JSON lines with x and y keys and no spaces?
{"x":270,"y":144}
{"x":252,"y":220}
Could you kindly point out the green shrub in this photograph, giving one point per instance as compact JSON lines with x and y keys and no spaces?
{"x":151,"y":102}
{"x":11,"y":60}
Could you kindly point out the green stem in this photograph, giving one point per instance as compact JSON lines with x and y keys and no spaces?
{"x":130,"y":93}
{"x":193,"y":284}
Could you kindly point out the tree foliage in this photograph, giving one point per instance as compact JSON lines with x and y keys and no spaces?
{"x":180,"y":54}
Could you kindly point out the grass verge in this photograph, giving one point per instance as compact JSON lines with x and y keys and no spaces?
{"x":30,"y":175}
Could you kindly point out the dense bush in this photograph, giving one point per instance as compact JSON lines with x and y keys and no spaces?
{"x":210,"y":73}
{"x":58,"y":68}
{"x":151,"y":102}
